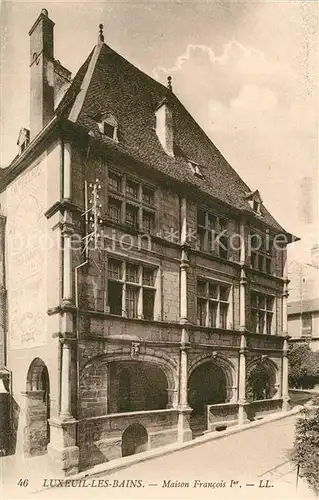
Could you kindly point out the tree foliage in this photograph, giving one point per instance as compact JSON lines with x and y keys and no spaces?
{"x":303,"y":366}
{"x":305,"y":451}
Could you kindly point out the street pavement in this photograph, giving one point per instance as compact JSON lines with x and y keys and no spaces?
{"x":251,"y":464}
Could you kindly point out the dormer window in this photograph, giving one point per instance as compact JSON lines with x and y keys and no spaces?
{"x":109,"y":130}
{"x":254,"y":201}
{"x":256,"y":206}
{"x":108,"y":127}
{"x":195,"y":168}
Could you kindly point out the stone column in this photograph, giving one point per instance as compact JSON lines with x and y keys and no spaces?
{"x":66,"y":383}
{"x":184,"y":411}
{"x":284,"y":390}
{"x":184,"y":263}
{"x":243,"y":279}
{"x":242,"y":402}
{"x":63,"y":449}
{"x":183,"y":370}
{"x":67,"y":179}
{"x":67,"y":298}
{"x":242,"y":301}
{"x":285,"y":296}
{"x":183,"y":287}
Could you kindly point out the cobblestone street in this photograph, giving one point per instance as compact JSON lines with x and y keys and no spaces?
{"x":250,"y":464}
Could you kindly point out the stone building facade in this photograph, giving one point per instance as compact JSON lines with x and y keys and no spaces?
{"x":303,"y":304}
{"x":135,"y":310}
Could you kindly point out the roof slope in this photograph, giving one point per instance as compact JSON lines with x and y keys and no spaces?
{"x":117,"y":87}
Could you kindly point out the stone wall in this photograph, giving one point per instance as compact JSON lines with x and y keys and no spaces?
{"x":101,"y":437}
{"x":36,"y":429}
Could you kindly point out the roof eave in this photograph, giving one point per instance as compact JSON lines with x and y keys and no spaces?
{"x":29,"y":153}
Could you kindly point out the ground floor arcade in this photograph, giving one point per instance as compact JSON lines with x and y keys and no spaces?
{"x":136,"y":396}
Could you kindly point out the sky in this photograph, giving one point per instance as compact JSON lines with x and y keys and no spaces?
{"x":246,"y":71}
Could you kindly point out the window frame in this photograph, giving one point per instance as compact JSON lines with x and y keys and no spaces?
{"x":129,"y":201}
{"x":204,"y":233}
{"x":262,"y":312}
{"x":206,"y":302}
{"x":306,"y":331}
{"x":261,"y":259}
{"x":130,"y":283}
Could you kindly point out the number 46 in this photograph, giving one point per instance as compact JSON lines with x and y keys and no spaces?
{"x":23,"y":482}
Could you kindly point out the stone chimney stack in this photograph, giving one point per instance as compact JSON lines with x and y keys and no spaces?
{"x":42,"y":73}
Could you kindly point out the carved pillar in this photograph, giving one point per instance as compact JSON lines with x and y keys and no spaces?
{"x":66,"y":381}
{"x":285,"y":296}
{"x":243,"y":279}
{"x":183,"y":287}
{"x":67,"y":298}
{"x":184,"y":262}
{"x":284,"y":390}
{"x":67,"y":179}
{"x":242,"y":301}
{"x":62,"y":449}
{"x":242,"y":402}
{"x":184,"y":411}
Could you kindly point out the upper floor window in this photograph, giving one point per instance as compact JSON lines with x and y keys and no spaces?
{"x":115,"y":181}
{"x":260,"y":252}
{"x":213,"y":234}
{"x":306,"y":324}
{"x":262,"y":313}
{"x":213,"y":301}
{"x":131,"y":289}
{"x":131,"y":202}
{"x":108,"y":126}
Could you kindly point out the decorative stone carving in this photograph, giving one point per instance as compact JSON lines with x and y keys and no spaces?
{"x":135,"y":349}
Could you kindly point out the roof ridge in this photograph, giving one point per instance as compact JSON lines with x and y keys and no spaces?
{"x":79,"y":100}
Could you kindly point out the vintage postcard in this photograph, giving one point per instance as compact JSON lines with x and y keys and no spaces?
{"x":159,"y":250}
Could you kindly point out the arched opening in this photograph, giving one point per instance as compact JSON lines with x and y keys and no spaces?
{"x":207,"y":385}
{"x":134,"y":440}
{"x":137,"y":386}
{"x":37,"y":434}
{"x":259,"y":384}
{"x":125,"y":392}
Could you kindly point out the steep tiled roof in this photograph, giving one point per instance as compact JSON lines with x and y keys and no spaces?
{"x":68,"y":98}
{"x":119,"y":88}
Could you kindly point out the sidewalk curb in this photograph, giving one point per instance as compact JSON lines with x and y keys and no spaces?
{"x":122,"y":463}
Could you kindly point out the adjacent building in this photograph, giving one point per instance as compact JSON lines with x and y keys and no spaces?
{"x":143,"y":286}
{"x":303,"y":304}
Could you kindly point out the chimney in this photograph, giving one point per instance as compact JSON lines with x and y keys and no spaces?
{"x":41,"y":73}
{"x":23,"y":139}
{"x":164,"y":122}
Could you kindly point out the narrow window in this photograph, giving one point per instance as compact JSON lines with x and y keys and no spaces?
{"x":131,"y":216}
{"x":131,"y":301}
{"x":148,"y":303}
{"x":148,"y":195}
{"x":115,"y":209}
{"x":115,"y":297}
{"x":148,"y":221}
{"x":132,"y":188}
{"x":115,"y":181}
